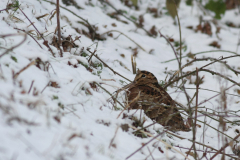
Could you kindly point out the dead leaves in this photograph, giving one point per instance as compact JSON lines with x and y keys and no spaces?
{"x":54,"y":84}
{"x":204,"y":27}
{"x":67,"y":43}
{"x":215,"y":44}
{"x":231,"y":4}
{"x":153,"y":31}
{"x":154,"y":11}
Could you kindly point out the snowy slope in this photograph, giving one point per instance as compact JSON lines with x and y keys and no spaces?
{"x":54,"y":110}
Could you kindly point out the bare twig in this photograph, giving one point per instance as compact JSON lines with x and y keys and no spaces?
{"x":145,"y":145}
{"x":45,"y":87}
{"x":133,"y":64}
{"x":199,"y":144}
{"x":195,"y":122}
{"x":30,"y":87}
{"x":159,"y":140}
{"x":29,"y":35}
{"x":189,"y":150}
{"x":90,"y":27}
{"x":121,"y":13}
{"x":45,"y":42}
{"x":205,"y":59}
{"x":125,"y":36}
{"x":128,"y":105}
{"x":220,"y":150}
{"x":59,"y":29}
{"x":206,"y":70}
{"x":214,"y":91}
{"x":202,"y":53}
{"x":24,"y":68}
{"x":109,"y":94}
{"x":88,"y":49}
{"x":111,"y":142}
{"x":220,"y":75}
{"x":95,"y":50}
{"x":10,"y":49}
{"x":150,"y":153}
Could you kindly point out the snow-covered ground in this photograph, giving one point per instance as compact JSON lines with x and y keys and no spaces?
{"x":54,"y":109}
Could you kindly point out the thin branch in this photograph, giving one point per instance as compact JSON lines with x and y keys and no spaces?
{"x":45,"y":42}
{"x":206,"y":70}
{"x":128,"y":105}
{"x":160,"y":140}
{"x":88,"y":49}
{"x":45,"y":87}
{"x":24,"y":68}
{"x":111,"y":142}
{"x":59,"y":29}
{"x":205,"y":59}
{"x":144,"y":145}
{"x":121,"y":13}
{"x":125,"y":36}
{"x":29,"y":35}
{"x":215,"y":95}
{"x":202,"y":53}
{"x":195,"y":122}
{"x":214,"y":91}
{"x":108,"y":93}
{"x":19,"y":44}
{"x":30,"y":87}
{"x":225,"y":77}
{"x":220,"y":150}
{"x":89,"y":26}
{"x":200,"y":144}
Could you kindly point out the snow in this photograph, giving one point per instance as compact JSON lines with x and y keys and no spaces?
{"x":78,"y":121}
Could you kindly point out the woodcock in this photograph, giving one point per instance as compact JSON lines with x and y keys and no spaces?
{"x":145,"y":93}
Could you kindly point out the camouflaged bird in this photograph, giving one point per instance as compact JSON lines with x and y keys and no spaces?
{"x":145,"y":93}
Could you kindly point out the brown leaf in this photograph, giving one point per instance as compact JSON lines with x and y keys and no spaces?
{"x":204,"y":27}
{"x":171,"y":39}
{"x":54,"y":84}
{"x":198,"y":125}
{"x":238,"y":91}
{"x":75,"y":135}
{"x":93,"y":86}
{"x":23,"y":92}
{"x":218,"y":29}
{"x":190,"y":55}
{"x":114,"y":145}
{"x":154,"y":11}
{"x":230,"y":24}
{"x":231,"y":4}
{"x":135,"y":52}
{"x":141,"y":21}
{"x":190,"y":153}
{"x":125,"y":127}
{"x":189,"y":27}
{"x":110,"y":34}
{"x":46,"y":43}
{"x":70,"y":64}
{"x":215,"y":44}
{"x":153,"y":30}
{"x":102,"y":122}
{"x":57,"y":119}
{"x":160,"y":149}
{"x":236,"y":130}
{"x":122,"y":55}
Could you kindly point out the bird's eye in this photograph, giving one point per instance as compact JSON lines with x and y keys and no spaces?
{"x":143,"y":75}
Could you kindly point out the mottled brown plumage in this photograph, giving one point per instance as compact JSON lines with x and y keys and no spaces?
{"x":145,"y":93}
